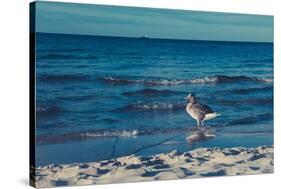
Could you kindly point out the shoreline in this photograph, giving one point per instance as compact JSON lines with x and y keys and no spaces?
{"x":201,"y":162}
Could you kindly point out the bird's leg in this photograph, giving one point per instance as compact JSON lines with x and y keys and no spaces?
{"x":198,"y":123}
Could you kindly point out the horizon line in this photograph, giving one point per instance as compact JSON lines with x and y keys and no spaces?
{"x":152,"y":38}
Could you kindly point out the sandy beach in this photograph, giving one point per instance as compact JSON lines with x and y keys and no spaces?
{"x":201,"y":162}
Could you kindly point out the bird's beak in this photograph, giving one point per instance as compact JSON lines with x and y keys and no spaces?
{"x":186,"y":98}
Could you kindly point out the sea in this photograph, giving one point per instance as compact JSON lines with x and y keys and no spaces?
{"x":99,"y":98}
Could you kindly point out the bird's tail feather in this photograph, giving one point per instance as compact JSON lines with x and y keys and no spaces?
{"x":211,"y":116}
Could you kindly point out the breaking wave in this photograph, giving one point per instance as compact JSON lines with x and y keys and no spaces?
{"x":127,"y":133}
{"x":204,"y":80}
{"x":105,"y":133}
{"x":153,"y":106}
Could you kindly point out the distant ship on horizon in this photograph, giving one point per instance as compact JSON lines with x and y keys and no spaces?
{"x":144,"y":37}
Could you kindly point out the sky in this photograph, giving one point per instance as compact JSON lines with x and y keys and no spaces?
{"x":88,"y":19}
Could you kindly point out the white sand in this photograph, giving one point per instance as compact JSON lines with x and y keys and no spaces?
{"x":197,"y":163}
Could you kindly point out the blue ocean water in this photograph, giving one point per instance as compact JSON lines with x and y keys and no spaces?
{"x":103,"y":97}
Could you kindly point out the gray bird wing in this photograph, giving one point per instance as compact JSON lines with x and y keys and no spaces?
{"x":202,"y":108}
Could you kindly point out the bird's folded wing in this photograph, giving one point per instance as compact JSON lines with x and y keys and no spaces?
{"x":203,"y":108}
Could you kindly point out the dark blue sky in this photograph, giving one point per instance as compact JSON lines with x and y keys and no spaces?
{"x":72,"y":18}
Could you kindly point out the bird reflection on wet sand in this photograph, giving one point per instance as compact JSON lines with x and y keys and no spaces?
{"x":201,"y":134}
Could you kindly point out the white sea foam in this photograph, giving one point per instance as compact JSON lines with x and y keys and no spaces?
{"x":123,"y":133}
{"x":265,"y":79}
{"x":129,"y":134}
{"x":203,"y":80}
{"x":153,"y":106}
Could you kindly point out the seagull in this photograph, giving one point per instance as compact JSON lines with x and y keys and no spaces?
{"x":199,"y":112}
